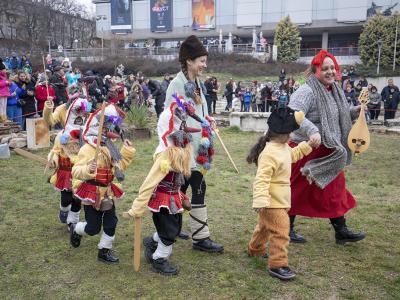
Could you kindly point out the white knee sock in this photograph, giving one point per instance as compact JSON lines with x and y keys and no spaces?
{"x":80,"y":228}
{"x":156,"y":238}
{"x":106,"y":241}
{"x":66,"y":208}
{"x":162,"y":251}
{"x":73,"y":217}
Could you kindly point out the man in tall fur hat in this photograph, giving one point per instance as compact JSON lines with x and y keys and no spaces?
{"x":63,"y":156}
{"x":161,"y":190}
{"x":93,"y":180}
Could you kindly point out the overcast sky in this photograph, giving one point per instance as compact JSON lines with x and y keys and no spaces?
{"x":88,"y":4}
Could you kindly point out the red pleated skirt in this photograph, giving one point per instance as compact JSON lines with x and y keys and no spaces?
{"x":311,"y":201}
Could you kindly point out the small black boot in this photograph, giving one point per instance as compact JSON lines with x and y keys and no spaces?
{"x":74,"y":238}
{"x":208,"y":245}
{"x":295,"y":237}
{"x":342,"y":234}
{"x":184,"y":235}
{"x":107,"y":256}
{"x":162,"y":266}
{"x":62,"y":216}
{"x":283,"y":273}
{"x":150,"y":246}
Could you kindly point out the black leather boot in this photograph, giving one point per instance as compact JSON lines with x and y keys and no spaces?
{"x":150,"y":246}
{"x":74,"y":238}
{"x":294,"y":237}
{"x":62,"y":216}
{"x":162,"y":266}
{"x":344,"y":235}
{"x":283,"y":273}
{"x":208,"y":245}
{"x":107,"y":256}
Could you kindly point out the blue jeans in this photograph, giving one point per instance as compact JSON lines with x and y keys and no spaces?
{"x":246,"y":107}
{"x":14,"y":113}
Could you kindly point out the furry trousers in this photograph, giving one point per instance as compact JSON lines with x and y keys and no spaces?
{"x":273,"y":227}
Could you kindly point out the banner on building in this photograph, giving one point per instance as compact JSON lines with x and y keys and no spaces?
{"x":203,"y":14}
{"x":161,"y":15}
{"x":121,"y":16}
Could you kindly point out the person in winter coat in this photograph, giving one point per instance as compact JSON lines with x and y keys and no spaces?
{"x":4,"y":92}
{"x":247,"y":96}
{"x":282,"y":75}
{"x":374,"y":105}
{"x":27,"y":98}
{"x":14,"y":105}
{"x":350,"y":95}
{"x":58,"y":83}
{"x":15,"y":63}
{"x":41,"y":94}
{"x":229,"y":89}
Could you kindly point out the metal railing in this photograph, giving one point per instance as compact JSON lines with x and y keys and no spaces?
{"x":337,"y":51}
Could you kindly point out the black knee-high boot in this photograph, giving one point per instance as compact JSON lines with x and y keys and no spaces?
{"x":342,"y":234}
{"x":294,"y":237}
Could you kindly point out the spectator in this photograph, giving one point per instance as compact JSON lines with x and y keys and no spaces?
{"x":374,"y":105}
{"x":72,"y":76}
{"x":239,"y":95}
{"x":345,"y":74}
{"x":350,"y":95}
{"x":209,"y":88}
{"x":14,"y":104}
{"x":266,"y":95}
{"x":282,"y":75}
{"x":357,"y":91}
{"x":15,"y":63}
{"x":25,"y":61}
{"x":255,"y":96}
{"x":164,"y":86}
{"x":247,"y":97}
{"x":59,"y":85}
{"x":27,"y":97}
{"x":228,"y":93}
{"x":7,"y":63}
{"x":352,"y":75}
{"x":66,"y":65}
{"x":4,"y":92}
{"x":157,"y":94}
{"x":41,"y":93}
{"x":363,"y":82}
{"x":390,"y":98}
{"x":283,"y":99}
{"x":50,"y":63}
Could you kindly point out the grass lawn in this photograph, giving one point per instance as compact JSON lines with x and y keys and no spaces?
{"x":37,"y":262}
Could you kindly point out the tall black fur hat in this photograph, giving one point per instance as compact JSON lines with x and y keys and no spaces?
{"x":191,"y":48}
{"x":285,"y":120}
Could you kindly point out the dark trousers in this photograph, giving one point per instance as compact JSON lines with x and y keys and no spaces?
{"x":229,"y":102}
{"x":374,"y":113}
{"x":168,"y":226}
{"x":95,"y":219}
{"x":390,"y":110}
{"x":339,"y":220}
{"x":159,"y":108}
{"x":68,"y":199}
{"x":209,"y":103}
{"x":198,"y":185}
{"x":214,"y":104}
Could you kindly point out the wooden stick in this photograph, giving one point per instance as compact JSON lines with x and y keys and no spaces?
{"x":48,"y":162}
{"x":136,"y":244}
{"x":30,"y":155}
{"x":47,"y":80}
{"x":226,"y":150}
{"x":100,"y":133}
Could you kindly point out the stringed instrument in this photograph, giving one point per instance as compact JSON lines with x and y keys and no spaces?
{"x":359,"y":137}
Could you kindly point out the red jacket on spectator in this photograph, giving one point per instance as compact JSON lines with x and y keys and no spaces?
{"x":41,"y":95}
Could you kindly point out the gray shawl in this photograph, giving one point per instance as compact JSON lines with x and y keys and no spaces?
{"x":324,"y":170}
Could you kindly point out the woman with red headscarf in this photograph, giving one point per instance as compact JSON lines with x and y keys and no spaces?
{"x":317,"y":181}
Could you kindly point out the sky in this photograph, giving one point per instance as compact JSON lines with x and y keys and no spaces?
{"x":88,"y":4}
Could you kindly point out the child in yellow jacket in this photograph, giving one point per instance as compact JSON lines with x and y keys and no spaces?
{"x":271,"y":189}
{"x":93,"y":181}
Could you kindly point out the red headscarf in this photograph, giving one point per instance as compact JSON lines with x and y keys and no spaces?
{"x":319,"y":59}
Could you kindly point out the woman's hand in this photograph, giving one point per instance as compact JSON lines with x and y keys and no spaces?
{"x":315,"y":140}
{"x":127,"y":143}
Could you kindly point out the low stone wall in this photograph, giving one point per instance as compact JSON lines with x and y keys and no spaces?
{"x":249,"y":121}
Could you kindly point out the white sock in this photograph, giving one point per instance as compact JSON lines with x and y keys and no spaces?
{"x":80,"y":228}
{"x":66,"y":208}
{"x":162,"y":251}
{"x":73,"y":217}
{"x":156,"y":238}
{"x":106,"y":241}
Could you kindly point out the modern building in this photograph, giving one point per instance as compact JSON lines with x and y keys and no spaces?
{"x":323,"y":23}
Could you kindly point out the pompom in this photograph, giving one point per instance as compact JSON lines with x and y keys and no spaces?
{"x":201,"y":159}
{"x":211,"y":151}
{"x":204,"y":133}
{"x":207,"y":166}
{"x":205,"y":142}
{"x":64,"y":138}
{"x":205,"y":123}
{"x":165,"y":166}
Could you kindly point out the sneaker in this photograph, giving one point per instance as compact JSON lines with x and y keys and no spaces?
{"x":107,"y":256}
{"x":283,"y":273}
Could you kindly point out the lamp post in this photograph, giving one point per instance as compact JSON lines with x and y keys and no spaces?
{"x":99,"y":18}
{"x":395,"y":43}
{"x":379,"y":55}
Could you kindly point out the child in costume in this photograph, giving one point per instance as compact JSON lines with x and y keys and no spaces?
{"x":63,"y":156}
{"x":93,"y":181}
{"x":161,"y":190}
{"x":271,"y":189}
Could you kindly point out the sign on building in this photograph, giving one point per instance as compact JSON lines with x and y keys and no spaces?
{"x":203,"y":14}
{"x":121,"y":16}
{"x":161,"y":15}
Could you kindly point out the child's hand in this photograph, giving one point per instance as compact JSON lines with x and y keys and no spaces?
{"x":127,"y":143}
{"x":259,"y":209}
{"x":92,"y":165}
